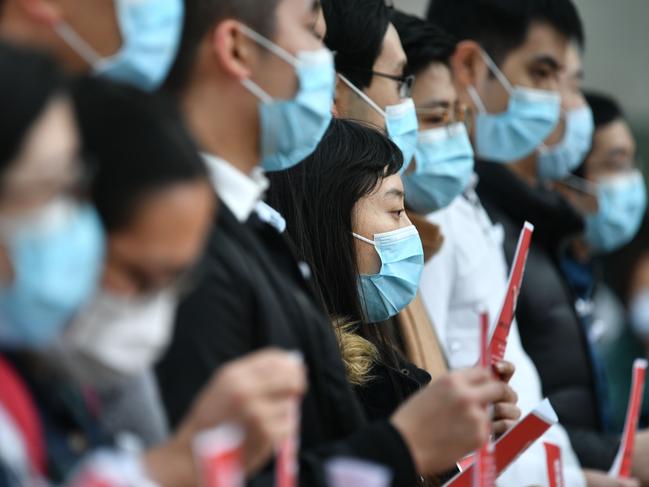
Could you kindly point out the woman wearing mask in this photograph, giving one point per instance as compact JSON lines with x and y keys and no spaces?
{"x":344,"y":207}
{"x":51,"y":256}
{"x":349,"y":223}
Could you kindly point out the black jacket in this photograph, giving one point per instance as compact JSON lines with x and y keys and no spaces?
{"x":252,"y":295}
{"x":550,"y":330}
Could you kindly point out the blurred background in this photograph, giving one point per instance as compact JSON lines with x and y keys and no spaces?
{"x":616,"y":59}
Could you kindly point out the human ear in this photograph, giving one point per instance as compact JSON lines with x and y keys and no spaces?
{"x":233,"y":50}
{"x":47,"y":12}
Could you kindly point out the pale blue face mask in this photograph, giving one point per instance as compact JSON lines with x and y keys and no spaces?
{"x":444,"y":167}
{"x":385,"y":294}
{"x":622,"y":203}
{"x":557,"y":162}
{"x":57,"y":258}
{"x":530,"y":118}
{"x":292,"y":129}
{"x":151,"y":31}
{"x":401,"y":123}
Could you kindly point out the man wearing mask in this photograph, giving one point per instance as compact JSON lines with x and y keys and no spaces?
{"x":256,"y":87}
{"x":471,"y":262}
{"x":507,"y":68}
{"x":51,"y":255}
{"x":609,"y":190}
{"x":129,"y":41}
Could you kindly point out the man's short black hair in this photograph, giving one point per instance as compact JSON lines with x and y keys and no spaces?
{"x":423,"y":42}
{"x":202,"y":15}
{"x":605,"y":108}
{"x":355,"y":32}
{"x":500,"y":26}
{"x":136,"y":144}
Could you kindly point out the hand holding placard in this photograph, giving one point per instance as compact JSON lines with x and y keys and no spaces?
{"x":514,"y":443}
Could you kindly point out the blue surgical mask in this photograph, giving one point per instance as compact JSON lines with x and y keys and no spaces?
{"x":292,"y":129}
{"x":444,"y":167}
{"x":401,"y":123}
{"x":385,"y":294}
{"x":555,"y":163}
{"x":622,"y":202}
{"x":151,"y":32}
{"x":57,"y":258}
{"x":639,"y":314}
{"x":530,"y":118}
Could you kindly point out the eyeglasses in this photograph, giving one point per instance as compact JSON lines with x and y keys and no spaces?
{"x":405,"y":83}
{"x":445,"y":114}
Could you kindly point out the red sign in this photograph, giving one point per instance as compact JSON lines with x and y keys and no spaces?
{"x":513,"y":443}
{"x":624,"y":460}
{"x":220,"y":457}
{"x":498,"y":344}
{"x":555,"y":466}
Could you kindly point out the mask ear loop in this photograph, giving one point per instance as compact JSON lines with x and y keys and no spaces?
{"x":363,"y":239}
{"x":270,"y":46}
{"x":477,"y":101}
{"x":543,"y":147}
{"x":493,"y":67}
{"x":502,"y":79}
{"x":582,"y":185}
{"x":362,"y":95}
{"x":78,"y":45}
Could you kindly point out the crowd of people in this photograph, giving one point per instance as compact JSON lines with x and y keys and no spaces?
{"x":281,"y":220}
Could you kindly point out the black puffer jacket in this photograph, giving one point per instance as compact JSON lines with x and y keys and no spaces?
{"x":549,"y":327}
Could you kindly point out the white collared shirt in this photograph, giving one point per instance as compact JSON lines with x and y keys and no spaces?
{"x":468,"y":274}
{"x":238,"y":191}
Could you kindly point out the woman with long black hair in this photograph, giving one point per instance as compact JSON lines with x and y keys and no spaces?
{"x":345,"y":213}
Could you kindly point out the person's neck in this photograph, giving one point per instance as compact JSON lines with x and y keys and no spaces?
{"x":220,"y":129}
{"x":526,"y":169}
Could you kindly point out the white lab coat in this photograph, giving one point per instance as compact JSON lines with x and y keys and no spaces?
{"x":470,"y":274}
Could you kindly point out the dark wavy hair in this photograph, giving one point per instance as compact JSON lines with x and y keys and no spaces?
{"x":317,"y":198}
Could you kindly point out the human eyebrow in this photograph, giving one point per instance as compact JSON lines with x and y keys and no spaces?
{"x":432,"y":104}
{"x":394,"y":193}
{"x":549,"y":60}
{"x":618,"y":152}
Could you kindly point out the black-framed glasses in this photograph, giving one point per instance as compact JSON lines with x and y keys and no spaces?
{"x":405,"y":83}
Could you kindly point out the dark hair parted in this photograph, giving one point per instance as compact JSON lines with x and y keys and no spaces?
{"x":423,"y":42}
{"x":136,"y":144}
{"x":203,"y":15}
{"x":29,"y":81}
{"x":501,"y":26}
{"x":355,"y":32}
